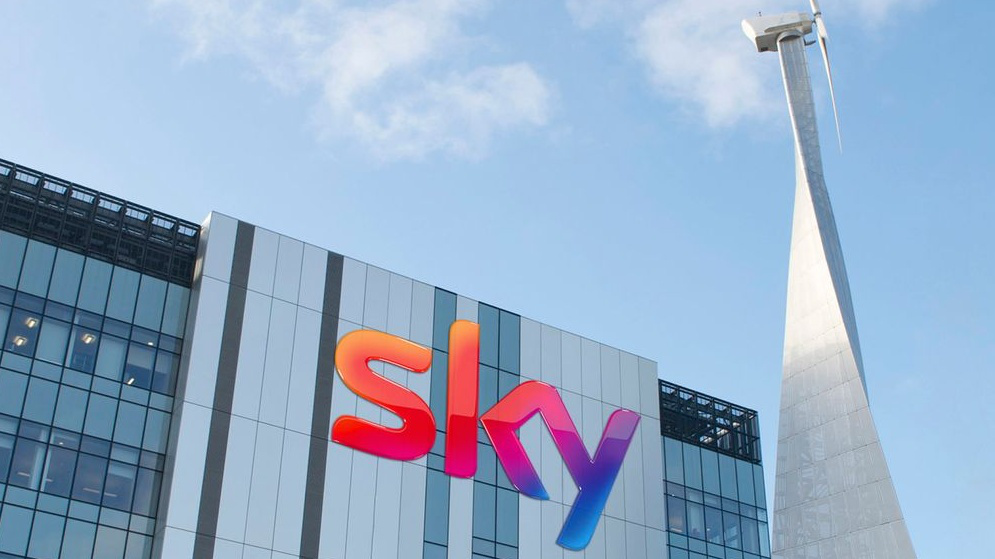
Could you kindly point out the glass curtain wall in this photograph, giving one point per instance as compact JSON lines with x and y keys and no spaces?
{"x":715,"y":504}
{"x":87,"y":373}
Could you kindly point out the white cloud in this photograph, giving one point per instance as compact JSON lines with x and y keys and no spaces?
{"x":392,"y":75}
{"x":694,"y":51}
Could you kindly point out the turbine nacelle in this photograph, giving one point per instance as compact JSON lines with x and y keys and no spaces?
{"x":767,"y":31}
{"x":764,"y":31}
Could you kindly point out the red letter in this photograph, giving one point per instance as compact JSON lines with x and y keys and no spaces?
{"x":461,"y":415}
{"x":415,"y":437}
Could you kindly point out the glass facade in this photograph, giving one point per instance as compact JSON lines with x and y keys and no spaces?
{"x":495,"y":500}
{"x":715,"y":505}
{"x":88,"y":371}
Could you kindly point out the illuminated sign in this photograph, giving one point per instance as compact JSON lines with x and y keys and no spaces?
{"x":594,"y":476}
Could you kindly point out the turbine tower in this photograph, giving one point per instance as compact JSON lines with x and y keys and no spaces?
{"x":833,"y":495}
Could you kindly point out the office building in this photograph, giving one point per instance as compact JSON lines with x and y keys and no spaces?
{"x":168,"y":390}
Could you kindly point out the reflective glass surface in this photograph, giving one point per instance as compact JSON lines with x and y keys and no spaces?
{"x":87,"y":373}
{"x":715,"y":504}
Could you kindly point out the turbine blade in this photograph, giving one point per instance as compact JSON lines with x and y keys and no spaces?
{"x":832,"y":90}
{"x":816,"y":11}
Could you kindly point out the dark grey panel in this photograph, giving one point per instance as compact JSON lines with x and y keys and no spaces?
{"x":224,"y":392}
{"x":322,"y":409}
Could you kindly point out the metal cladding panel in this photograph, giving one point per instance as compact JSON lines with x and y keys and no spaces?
{"x":257,"y":476}
{"x":833,"y":495}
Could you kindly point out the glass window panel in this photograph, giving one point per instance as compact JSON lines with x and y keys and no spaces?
{"x":484,"y":509}
{"x":11,"y":254}
{"x":437,"y":507}
{"x":676,"y":521}
{"x":166,"y":367}
{"x":12,"y":388}
{"x":732,"y":534}
{"x":139,"y":365}
{"x":120,"y":485}
{"x":82,"y":354}
{"x":727,"y":475}
{"x":507,"y":517}
{"x":146,"y":492}
{"x":764,"y":539}
{"x":751,"y":538}
{"x":39,"y":405}
{"x":100,"y":416}
{"x":93,"y":288}
{"x":78,"y":539}
{"x":151,"y":298}
{"x":71,"y":408}
{"x":22,"y":333}
{"x":6,"y":453}
{"x":4,"y":317}
{"x":59,"y":468}
{"x":487,"y":317}
{"x":696,"y":520}
{"x":174,"y":315}
{"x":15,"y":525}
{"x":744,"y":482}
{"x":123,"y":294}
{"x":37,"y":268}
{"x":486,"y":464}
{"x":66,"y":276}
{"x":139,"y":547}
{"x":26,"y":466}
{"x":110,"y":360}
{"x":510,"y":342}
{"x":110,"y":543}
{"x":46,"y":536}
{"x":713,"y":525}
{"x":130,"y":424}
{"x":53,"y":340}
{"x":675,"y":461}
{"x":758,"y":486}
{"x":89,"y":482}
{"x":710,"y":471}
{"x":433,"y":551}
{"x":692,"y":466}
{"x":156,"y":431}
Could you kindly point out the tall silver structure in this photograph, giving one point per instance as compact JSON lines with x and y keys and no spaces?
{"x":833,"y":495}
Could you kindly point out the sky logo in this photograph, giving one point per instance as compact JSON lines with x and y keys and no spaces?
{"x":594,"y":476}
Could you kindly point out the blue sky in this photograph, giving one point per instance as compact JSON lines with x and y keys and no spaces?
{"x":622,"y":170}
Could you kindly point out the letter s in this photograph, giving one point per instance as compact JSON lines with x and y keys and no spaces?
{"x":352,"y":357}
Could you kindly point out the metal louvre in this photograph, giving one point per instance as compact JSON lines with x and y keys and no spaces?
{"x":87,"y":221}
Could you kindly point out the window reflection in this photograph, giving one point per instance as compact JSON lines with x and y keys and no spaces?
{"x":89,"y":483}
{"x":22,"y":333}
{"x":26,"y":467}
{"x":83,"y":349}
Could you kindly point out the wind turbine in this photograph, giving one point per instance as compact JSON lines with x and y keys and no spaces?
{"x":833,"y":496}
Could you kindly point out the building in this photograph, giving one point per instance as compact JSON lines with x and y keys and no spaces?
{"x":167,"y":390}
{"x":713,"y":477}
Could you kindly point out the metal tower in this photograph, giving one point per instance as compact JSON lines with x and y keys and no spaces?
{"x":833,"y":495}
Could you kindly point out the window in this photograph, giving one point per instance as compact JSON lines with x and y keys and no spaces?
{"x":675,"y":515}
{"x":139,"y":365}
{"x":93,"y":288}
{"x":89,"y":483}
{"x":83,"y":348}
{"x":26,"y":466}
{"x":110,"y":360}
{"x":59,"y":471}
{"x":22,"y":332}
